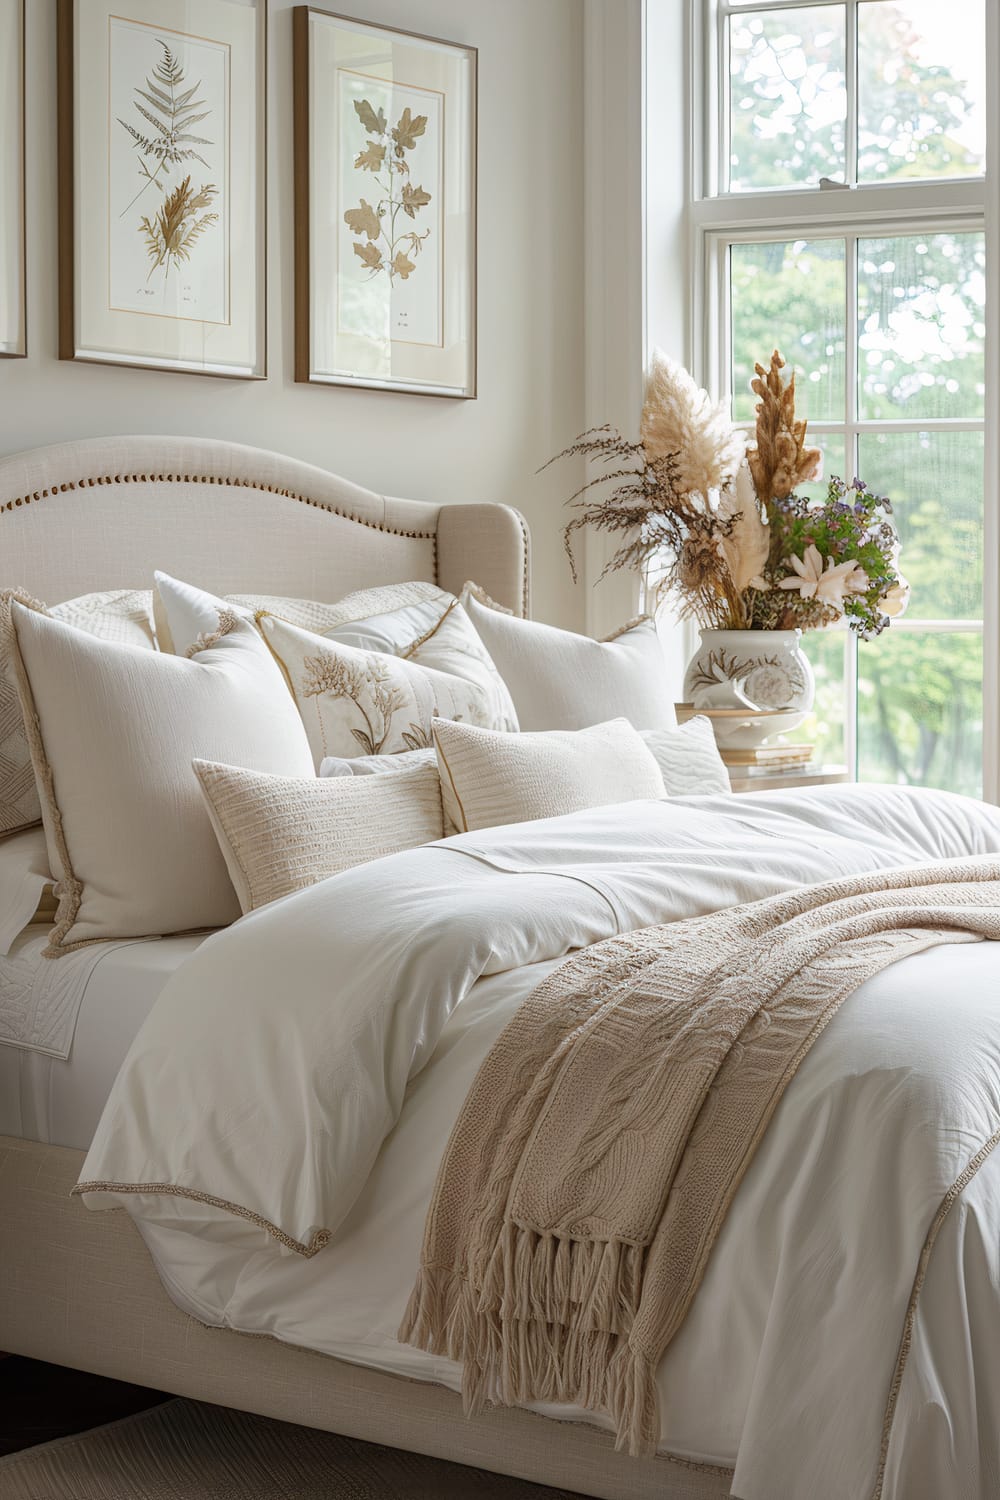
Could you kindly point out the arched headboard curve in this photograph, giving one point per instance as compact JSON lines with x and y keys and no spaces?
{"x":104,"y":512}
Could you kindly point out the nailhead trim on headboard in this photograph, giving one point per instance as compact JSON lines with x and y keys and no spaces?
{"x":246,"y":484}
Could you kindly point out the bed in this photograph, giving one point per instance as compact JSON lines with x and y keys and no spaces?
{"x":79,"y":1287}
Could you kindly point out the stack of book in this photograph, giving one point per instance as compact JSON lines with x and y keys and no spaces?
{"x":777,"y":757}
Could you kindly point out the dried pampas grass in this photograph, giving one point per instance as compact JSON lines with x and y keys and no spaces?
{"x":680,"y":419}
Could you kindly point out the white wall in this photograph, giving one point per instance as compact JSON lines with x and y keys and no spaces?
{"x":531,"y":298}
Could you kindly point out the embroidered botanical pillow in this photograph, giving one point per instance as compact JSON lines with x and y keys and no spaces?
{"x":416,"y":621}
{"x":356,"y":702}
{"x":122,"y":615}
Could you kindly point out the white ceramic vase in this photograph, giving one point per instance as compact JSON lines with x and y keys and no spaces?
{"x":750,"y":670}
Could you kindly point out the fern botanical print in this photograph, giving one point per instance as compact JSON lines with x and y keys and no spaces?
{"x":166,"y":142}
{"x":389,"y":239}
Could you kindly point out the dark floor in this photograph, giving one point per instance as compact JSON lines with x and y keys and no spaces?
{"x":39,"y":1402}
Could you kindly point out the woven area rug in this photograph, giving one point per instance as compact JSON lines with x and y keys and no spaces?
{"x":184,"y":1450}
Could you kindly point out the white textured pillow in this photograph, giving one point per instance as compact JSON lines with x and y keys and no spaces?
{"x":123,"y":615}
{"x":689,"y":759}
{"x":280,"y":833}
{"x":113,"y":733}
{"x":364,"y":702}
{"x":489,"y":778}
{"x":559,"y":680}
{"x":24,"y":878}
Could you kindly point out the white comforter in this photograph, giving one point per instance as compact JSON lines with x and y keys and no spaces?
{"x":272,"y":1070}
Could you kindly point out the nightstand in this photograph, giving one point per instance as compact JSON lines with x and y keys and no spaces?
{"x":771,"y":781}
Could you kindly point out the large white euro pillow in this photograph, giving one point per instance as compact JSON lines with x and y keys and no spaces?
{"x":489,"y":778}
{"x":113,"y":731}
{"x":123,"y":615}
{"x":559,"y":680}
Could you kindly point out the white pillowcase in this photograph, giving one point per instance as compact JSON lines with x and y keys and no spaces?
{"x":365,"y":702}
{"x":377,"y":765}
{"x":279,"y":833}
{"x":489,"y":778}
{"x":117,"y":728}
{"x":689,"y":759}
{"x":559,"y":680}
{"x":24,"y":878}
{"x":123,"y":615}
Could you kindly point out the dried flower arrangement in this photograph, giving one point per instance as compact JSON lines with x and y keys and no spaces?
{"x":723,"y":529}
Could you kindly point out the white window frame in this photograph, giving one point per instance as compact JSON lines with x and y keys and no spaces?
{"x":718,"y":219}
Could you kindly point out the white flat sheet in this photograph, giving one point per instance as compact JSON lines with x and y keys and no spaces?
{"x":45,"y":1097}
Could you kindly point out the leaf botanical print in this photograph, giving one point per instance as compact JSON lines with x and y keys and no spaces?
{"x":172,"y":232}
{"x":172,"y":111}
{"x":379,"y":246}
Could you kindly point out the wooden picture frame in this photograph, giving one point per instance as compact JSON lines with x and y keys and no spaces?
{"x":13,"y":242}
{"x":163,"y":185}
{"x":385,"y":207}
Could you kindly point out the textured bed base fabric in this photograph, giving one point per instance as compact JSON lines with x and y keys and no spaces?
{"x":185,"y":1449}
{"x":78,"y":1288}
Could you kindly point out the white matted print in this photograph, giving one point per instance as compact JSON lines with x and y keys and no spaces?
{"x":12,"y":308}
{"x":162,"y":132}
{"x":168,"y":164}
{"x":385,"y":207}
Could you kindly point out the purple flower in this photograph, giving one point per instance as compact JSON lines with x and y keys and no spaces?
{"x":858,"y":485}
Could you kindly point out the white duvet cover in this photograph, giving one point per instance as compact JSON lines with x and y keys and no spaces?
{"x":300,"y":1073}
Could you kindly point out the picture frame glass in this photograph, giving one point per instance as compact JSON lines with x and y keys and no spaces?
{"x":168,"y":184}
{"x":391,"y":183}
{"x":13,"y":338}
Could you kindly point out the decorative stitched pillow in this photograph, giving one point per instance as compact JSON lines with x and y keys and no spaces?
{"x":281,"y":833}
{"x":489,"y":778}
{"x":416,"y":621}
{"x":689,"y":759}
{"x":365,"y":702}
{"x":123,"y":615}
{"x":559,"y":680}
{"x":113,"y":731}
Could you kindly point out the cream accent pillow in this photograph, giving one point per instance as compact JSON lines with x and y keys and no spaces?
{"x":113,"y":733}
{"x":24,"y":881}
{"x":123,"y":615}
{"x":689,"y":759}
{"x":488,"y":778}
{"x":281,"y":833}
{"x":416,"y":621}
{"x":364,"y":702}
{"x":559,"y":680}
{"x":378,"y":765}
{"x":174,"y":633}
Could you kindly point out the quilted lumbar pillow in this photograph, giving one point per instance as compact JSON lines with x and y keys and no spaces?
{"x":559,"y":680}
{"x":113,"y":731}
{"x":689,"y":759}
{"x":489,"y":779}
{"x":123,"y":615}
{"x":281,"y":833}
{"x":356,"y":702}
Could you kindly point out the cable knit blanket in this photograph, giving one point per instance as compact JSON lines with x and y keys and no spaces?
{"x":591,"y":1167}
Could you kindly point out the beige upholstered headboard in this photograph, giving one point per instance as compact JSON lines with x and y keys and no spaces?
{"x":104,"y":512}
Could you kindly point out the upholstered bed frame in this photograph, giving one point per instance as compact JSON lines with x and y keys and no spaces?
{"x":78,"y":1288}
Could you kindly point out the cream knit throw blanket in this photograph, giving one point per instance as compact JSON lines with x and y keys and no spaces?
{"x":606,"y":1133}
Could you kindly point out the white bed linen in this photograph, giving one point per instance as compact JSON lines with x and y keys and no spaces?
{"x":58,"y":1100}
{"x":787,"y":1355}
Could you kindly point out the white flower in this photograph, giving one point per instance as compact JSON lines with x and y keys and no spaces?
{"x":895,"y":599}
{"x":828,"y":584}
{"x":679,"y":418}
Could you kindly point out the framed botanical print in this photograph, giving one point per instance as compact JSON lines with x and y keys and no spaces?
{"x":162,"y":125}
{"x":385,"y":207}
{"x":13,"y":340}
